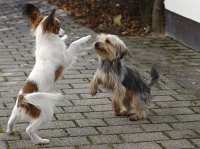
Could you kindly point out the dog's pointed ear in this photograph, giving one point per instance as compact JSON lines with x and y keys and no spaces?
{"x":49,"y":22}
{"x":52,"y":14}
{"x":33,"y":14}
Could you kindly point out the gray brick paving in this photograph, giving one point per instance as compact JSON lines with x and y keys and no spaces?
{"x":83,"y":121}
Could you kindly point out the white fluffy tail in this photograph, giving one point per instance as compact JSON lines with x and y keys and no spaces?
{"x":75,"y":49}
{"x":46,"y":102}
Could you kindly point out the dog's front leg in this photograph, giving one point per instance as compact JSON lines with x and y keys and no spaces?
{"x":118,"y":97}
{"x":94,"y":86}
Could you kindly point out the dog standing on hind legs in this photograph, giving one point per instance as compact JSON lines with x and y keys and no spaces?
{"x":130,"y":89}
{"x":52,"y":57}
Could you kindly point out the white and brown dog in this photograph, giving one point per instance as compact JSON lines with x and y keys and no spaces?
{"x":52,"y":58}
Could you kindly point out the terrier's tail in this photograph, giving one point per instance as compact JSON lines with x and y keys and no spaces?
{"x":154,"y":77}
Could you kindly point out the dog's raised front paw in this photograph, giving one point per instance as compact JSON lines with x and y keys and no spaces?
{"x":93,"y":92}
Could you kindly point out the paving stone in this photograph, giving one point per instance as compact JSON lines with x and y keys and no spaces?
{"x":119,"y":129}
{"x":101,"y":107}
{"x":186,"y":125}
{"x":59,"y":147}
{"x":107,"y":114}
{"x":94,"y":147}
{"x":177,"y":144}
{"x":21,"y":144}
{"x":47,"y":133}
{"x":91,"y":102}
{"x":123,"y":121}
{"x":81,"y":131}
{"x":162,"y":119}
{"x":176,"y":104}
{"x":189,"y":117}
{"x":90,"y":122}
{"x":5,"y":137}
{"x":173,"y":111}
{"x":145,"y":145}
{"x":196,"y":109}
{"x":3,"y":145}
{"x":68,"y":141}
{"x":196,"y":141}
{"x":182,"y":134}
{"x":70,"y":116}
{"x":61,"y":124}
{"x":140,"y":137}
{"x":77,"y":109}
{"x":100,"y":139}
{"x":155,"y":127}
{"x":163,"y":98}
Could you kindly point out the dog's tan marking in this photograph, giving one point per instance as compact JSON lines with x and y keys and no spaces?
{"x":58,"y":72}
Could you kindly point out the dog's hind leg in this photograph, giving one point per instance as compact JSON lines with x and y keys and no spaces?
{"x":15,"y":116}
{"x":32,"y":131}
{"x":139,"y":108}
{"x":126,"y":106}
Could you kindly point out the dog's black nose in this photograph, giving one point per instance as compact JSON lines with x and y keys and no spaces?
{"x":96,"y":44}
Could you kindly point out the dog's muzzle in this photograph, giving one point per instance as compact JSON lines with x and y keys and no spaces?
{"x":62,"y":34}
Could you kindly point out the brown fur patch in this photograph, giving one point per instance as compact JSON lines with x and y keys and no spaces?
{"x":105,"y":50}
{"x":30,"y":109}
{"x":29,"y":87}
{"x":33,"y":14}
{"x":58,"y":72}
{"x":51,"y":24}
{"x":51,"y":27}
{"x":36,"y":22}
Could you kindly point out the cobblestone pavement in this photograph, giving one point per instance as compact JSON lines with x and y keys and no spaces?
{"x":85,"y":122}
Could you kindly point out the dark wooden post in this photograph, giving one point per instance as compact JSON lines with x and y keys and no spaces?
{"x":157,"y":16}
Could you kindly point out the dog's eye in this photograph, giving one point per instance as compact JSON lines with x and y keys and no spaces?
{"x":107,"y":41}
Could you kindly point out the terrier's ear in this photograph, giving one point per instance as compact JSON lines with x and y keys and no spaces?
{"x":124,"y":53}
{"x":32,"y":13}
{"x":49,"y":22}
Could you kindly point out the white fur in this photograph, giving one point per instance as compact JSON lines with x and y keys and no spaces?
{"x":50,"y":53}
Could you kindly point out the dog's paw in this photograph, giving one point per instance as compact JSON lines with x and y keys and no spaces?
{"x":123,"y":113}
{"x":42,"y":141}
{"x":65,"y":37}
{"x":136,"y":117}
{"x":86,"y":39}
{"x":93,"y":92}
{"x":10,"y":132}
